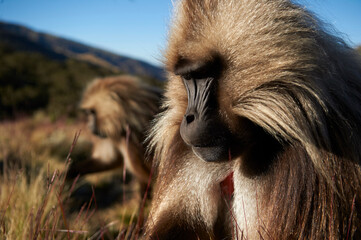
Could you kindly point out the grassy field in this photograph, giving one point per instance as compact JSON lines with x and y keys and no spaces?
{"x":36,"y":202}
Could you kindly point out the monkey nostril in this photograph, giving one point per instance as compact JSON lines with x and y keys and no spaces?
{"x":189,"y":118}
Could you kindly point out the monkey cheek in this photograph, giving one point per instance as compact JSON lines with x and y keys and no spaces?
{"x":101,"y":135}
{"x":211,"y":154}
{"x":98,"y":133}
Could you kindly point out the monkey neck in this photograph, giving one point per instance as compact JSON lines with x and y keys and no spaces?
{"x":292,"y":190}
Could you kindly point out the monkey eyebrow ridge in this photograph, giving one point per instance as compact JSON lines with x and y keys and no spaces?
{"x":199,"y":69}
{"x":184,"y":66}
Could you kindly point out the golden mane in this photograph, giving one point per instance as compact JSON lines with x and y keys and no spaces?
{"x":301,"y":85}
{"x":136,"y":104}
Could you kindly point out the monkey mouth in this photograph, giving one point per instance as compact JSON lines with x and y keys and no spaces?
{"x":211,"y":153}
{"x":218,"y":150}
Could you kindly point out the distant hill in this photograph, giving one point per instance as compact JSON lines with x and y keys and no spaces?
{"x":25,"y":39}
{"x":43,"y":72}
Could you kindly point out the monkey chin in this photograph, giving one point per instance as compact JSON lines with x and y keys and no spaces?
{"x":212,"y":153}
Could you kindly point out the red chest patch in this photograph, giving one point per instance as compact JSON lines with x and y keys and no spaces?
{"x":227,"y":186}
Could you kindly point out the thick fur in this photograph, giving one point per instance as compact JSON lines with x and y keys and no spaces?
{"x":294,"y":90}
{"x":122,"y":108}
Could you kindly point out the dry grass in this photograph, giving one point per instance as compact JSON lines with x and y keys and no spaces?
{"x":35,"y":200}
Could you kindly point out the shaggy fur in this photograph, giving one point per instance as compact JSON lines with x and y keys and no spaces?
{"x":120,"y":111}
{"x":294,"y":91}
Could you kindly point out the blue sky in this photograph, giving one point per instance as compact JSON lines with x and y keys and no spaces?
{"x":138,"y":28}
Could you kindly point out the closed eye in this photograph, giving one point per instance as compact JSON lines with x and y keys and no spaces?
{"x":89,"y":111}
{"x":199,"y":69}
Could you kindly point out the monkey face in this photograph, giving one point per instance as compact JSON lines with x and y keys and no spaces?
{"x":202,"y":128}
{"x":219,"y":72}
{"x":104,"y":114}
{"x":93,"y":122}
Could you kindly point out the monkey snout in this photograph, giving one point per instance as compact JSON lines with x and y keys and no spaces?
{"x":193,"y":130}
{"x":197,"y":131}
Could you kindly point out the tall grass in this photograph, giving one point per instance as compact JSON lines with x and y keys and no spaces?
{"x":36,"y":201}
{"x":32,"y":201}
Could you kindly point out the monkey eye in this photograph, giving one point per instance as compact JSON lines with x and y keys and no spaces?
{"x":198,"y":69}
{"x":187,"y":76}
{"x":89,"y":111}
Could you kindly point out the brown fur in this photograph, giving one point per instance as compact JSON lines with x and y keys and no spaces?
{"x":293,"y":91}
{"x":120,"y":111}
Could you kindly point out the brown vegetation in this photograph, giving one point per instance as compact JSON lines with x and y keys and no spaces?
{"x":36,"y":202}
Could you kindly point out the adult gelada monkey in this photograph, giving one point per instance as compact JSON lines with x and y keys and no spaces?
{"x":261,"y":90}
{"x":119,"y":111}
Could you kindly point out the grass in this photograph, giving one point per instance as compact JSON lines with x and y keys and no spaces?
{"x":36,"y":202}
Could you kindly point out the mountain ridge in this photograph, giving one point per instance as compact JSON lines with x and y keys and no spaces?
{"x":26,"y":39}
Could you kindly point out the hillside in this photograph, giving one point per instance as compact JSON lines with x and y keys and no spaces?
{"x":43,"y":72}
{"x":22,"y":38}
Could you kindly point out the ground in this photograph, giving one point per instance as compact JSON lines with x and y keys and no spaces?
{"x":36,"y":202}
